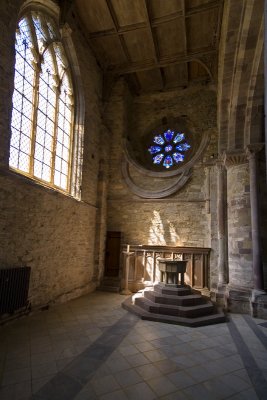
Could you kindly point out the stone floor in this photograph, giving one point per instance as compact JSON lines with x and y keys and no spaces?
{"x":90,"y":348}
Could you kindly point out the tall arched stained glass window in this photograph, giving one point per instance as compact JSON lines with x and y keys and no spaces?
{"x":43,"y":109}
{"x":169,"y":148}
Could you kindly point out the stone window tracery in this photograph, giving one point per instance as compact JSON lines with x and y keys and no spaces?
{"x":43,"y":104}
{"x":169,"y":148}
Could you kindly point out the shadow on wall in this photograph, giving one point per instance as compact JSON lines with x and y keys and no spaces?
{"x":162,"y":232}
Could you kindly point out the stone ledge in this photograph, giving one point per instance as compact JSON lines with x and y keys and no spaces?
{"x":259,"y":305}
{"x":169,"y":319}
{"x":238,"y":300}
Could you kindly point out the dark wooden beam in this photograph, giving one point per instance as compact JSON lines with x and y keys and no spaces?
{"x":166,"y":18}
{"x":119,"y":31}
{"x":162,"y":63}
{"x":185,"y":37}
{"x":203,"y":8}
{"x":155,"y":21}
{"x":147,"y":7}
{"x":116,"y":27}
{"x":108,"y":32}
{"x":153,"y":39}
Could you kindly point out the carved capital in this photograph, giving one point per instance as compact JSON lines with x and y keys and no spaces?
{"x":235,"y":157}
{"x":220,"y":164}
{"x":65,"y":31}
{"x":253,"y":149}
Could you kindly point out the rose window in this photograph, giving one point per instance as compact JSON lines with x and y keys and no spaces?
{"x":169,"y":148}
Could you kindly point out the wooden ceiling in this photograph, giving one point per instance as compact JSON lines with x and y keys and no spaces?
{"x":155,"y":44}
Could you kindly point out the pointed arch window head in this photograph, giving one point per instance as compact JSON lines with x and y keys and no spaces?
{"x":43,"y":108}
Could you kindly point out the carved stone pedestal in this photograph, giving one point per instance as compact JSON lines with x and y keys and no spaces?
{"x":170,"y":270}
{"x":174,"y":304}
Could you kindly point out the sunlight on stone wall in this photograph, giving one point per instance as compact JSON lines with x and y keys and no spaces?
{"x":175,"y":238}
{"x":156,"y":230}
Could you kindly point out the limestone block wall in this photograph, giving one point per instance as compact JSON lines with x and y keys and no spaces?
{"x":184,"y":218}
{"x":239,"y":226}
{"x":163,"y":223}
{"x":51,"y":232}
{"x":213,"y":209}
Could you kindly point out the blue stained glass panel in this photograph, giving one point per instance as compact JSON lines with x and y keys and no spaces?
{"x":183,"y":147}
{"x":178,"y":138}
{"x":168,"y":148}
{"x":167,"y":162}
{"x":154,"y":149}
{"x":159,"y":139}
{"x":158,"y":158}
{"x":178,"y":157}
{"x":168,"y":135}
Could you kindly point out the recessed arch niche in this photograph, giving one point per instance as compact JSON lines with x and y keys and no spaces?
{"x":138,"y":158}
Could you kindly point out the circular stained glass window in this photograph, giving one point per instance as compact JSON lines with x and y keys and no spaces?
{"x":169,"y":148}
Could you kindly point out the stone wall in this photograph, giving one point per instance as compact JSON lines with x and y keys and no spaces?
{"x":213,"y":209}
{"x":8,"y":20}
{"x":51,"y":232}
{"x":171,"y":223}
{"x":239,"y":226}
{"x":182,"y":219}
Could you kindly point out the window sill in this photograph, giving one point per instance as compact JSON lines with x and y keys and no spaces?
{"x":25,"y":179}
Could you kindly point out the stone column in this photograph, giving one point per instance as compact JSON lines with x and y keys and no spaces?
{"x":239,"y":288}
{"x":222,"y":231}
{"x":207,"y":189}
{"x":101,"y":224}
{"x":251,"y":152}
{"x":127,"y":254}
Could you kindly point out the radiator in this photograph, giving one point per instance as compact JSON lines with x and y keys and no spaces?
{"x":14,"y":287}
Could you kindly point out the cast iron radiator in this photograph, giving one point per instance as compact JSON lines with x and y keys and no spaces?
{"x":14,"y":287}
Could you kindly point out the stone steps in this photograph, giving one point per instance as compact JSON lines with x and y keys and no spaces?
{"x":107,"y":288}
{"x":109,"y":285}
{"x":174,"y":304}
{"x":172,"y":290}
{"x":189,"y":300}
{"x":181,"y":311}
